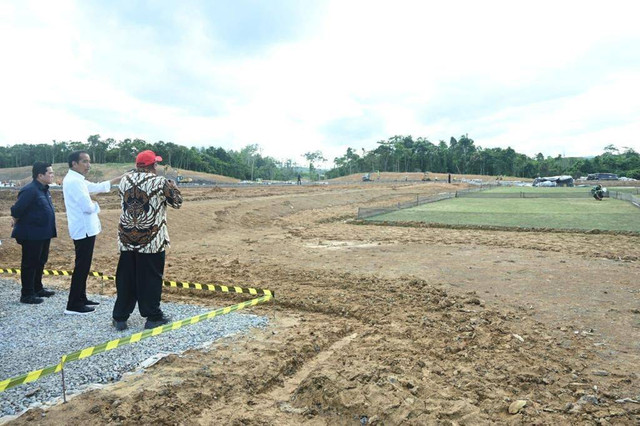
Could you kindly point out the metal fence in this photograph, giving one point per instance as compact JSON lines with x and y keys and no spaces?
{"x":365,"y":212}
{"x":633,"y":199}
{"x":574,"y":194}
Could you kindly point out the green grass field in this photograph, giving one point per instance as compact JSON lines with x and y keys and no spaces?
{"x":534,"y":190}
{"x":556,"y":213}
{"x":629,"y":189}
{"x":558,"y":190}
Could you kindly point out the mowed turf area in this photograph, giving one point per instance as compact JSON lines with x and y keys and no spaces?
{"x":556,"y":213}
{"x":628,"y":189}
{"x":555,"y":191}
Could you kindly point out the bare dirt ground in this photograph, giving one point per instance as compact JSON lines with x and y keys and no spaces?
{"x":376,"y":324}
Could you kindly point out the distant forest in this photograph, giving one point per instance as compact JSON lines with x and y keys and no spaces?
{"x":247,"y":163}
{"x":462,"y":156}
{"x":396,"y":154}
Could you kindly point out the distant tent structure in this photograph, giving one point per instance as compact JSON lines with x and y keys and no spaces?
{"x":558,"y":180}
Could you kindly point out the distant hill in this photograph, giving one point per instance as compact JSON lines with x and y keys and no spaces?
{"x":100,"y":172}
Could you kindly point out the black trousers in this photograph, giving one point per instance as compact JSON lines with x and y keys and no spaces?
{"x":35,"y":254}
{"x":84,"y":255}
{"x":139,"y":279}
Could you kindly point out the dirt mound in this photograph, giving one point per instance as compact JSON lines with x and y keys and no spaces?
{"x":100,"y":172}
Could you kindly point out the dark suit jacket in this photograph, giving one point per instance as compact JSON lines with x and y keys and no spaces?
{"x":35,"y":213}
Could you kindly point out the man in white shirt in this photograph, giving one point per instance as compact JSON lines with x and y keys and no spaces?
{"x":84,"y":225}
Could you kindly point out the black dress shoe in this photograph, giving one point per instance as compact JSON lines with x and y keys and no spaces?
{"x":31,"y":300}
{"x":120,"y":325}
{"x":45,"y":292}
{"x":81,"y":310}
{"x":91,"y":303}
{"x":157,"y":323}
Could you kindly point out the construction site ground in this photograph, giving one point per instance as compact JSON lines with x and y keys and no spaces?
{"x":373,"y":324}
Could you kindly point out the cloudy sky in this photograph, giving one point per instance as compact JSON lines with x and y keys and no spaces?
{"x":557,"y":77}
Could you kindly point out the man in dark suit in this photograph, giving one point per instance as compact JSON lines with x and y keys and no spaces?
{"x":34,"y":224}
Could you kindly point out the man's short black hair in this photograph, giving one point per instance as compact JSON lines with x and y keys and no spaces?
{"x":39,"y":168}
{"x":75,"y":156}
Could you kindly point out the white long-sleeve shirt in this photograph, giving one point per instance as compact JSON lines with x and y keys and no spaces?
{"x":82,"y":211}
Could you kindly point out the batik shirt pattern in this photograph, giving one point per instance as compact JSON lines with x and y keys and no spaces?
{"x":143,"y":222}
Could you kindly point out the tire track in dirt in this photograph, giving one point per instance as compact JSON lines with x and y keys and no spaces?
{"x":281,"y":395}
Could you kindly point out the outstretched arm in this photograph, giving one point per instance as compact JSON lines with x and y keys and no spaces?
{"x":172,"y":193}
{"x":102,"y":186}
{"x":116,"y":179}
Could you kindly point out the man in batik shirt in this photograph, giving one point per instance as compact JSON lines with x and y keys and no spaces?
{"x":142,"y":238}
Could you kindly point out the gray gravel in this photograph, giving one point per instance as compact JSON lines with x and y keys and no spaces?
{"x":36,"y":336}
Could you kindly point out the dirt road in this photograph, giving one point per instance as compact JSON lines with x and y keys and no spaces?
{"x":377,"y":324}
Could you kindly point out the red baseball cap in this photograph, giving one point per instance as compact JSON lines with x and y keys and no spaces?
{"x":147,"y":158}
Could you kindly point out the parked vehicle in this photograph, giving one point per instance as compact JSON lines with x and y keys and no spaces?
{"x":602,"y":176}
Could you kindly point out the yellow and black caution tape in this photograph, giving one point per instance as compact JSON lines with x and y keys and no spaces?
{"x":222,"y":288}
{"x":166,"y":283}
{"x":136,"y":337}
{"x":29,"y":377}
{"x":58,"y":273}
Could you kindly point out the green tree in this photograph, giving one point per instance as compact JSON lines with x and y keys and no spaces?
{"x":313,"y":157}
{"x":249,"y":154}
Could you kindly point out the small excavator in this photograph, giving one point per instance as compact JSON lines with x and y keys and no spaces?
{"x":182,"y":179}
{"x":170,"y":172}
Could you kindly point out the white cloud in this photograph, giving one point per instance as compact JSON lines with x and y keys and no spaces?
{"x":572,"y":126}
{"x":508,"y":73}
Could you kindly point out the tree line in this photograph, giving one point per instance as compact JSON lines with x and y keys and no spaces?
{"x":245,"y":164}
{"x":462,"y":156}
{"x":396,"y":154}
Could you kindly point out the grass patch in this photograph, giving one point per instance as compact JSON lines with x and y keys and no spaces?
{"x":627,"y":189}
{"x":557,"y":213}
{"x":537,"y":190}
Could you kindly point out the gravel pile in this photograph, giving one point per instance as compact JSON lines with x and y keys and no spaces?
{"x":36,"y":336}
